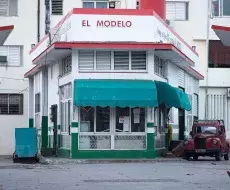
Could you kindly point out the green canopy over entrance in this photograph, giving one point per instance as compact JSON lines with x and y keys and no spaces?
{"x":121,"y":93}
{"x":172,"y":97}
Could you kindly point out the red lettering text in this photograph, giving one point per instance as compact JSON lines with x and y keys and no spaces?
{"x":99,"y":23}
{"x":85,"y":23}
{"x":113,"y":24}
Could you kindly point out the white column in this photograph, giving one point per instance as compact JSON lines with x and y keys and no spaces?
{"x":225,"y":110}
{"x":44,"y":94}
{"x":31,"y":98}
{"x":227,"y":122}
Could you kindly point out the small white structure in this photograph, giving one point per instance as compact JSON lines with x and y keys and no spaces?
{"x":97,"y":72}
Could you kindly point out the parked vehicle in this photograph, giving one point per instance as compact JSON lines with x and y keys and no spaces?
{"x":208,"y":139}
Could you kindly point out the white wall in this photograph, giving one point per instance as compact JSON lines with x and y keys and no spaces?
{"x":25,"y":34}
{"x":53,"y":82}
{"x":177,"y":77}
{"x":218,"y":105}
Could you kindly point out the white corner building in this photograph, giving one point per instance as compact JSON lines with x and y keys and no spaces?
{"x":105,"y":80}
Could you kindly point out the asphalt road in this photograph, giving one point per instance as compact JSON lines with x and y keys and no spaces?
{"x":170,"y":175}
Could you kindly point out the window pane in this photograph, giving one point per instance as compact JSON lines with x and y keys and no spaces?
{"x":180,"y":11}
{"x":15,"y":104}
{"x":121,"y":60}
{"x":66,"y":117}
{"x":138,"y":60}
{"x":62,"y":116}
{"x":14,"y":58}
{"x":215,"y":8}
{"x":138,"y":120}
{"x":4,"y":8}
{"x":13,"y":8}
{"x":170,"y":10}
{"x":102,"y":5}
{"x":122,"y":119}
{"x":86,"y":119}
{"x":69,"y":114}
{"x":86,"y":60}
{"x":57,"y":7}
{"x":88,"y":5}
{"x":66,"y":65}
{"x":103,"y":119}
{"x":37,"y":103}
{"x":103,"y":60}
{"x":159,"y":66}
{"x":4,"y":104}
{"x":226,"y":7}
{"x":176,"y":10}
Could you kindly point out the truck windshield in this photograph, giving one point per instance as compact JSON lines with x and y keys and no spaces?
{"x":205,"y":129}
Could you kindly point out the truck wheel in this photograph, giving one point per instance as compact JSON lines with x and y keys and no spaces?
{"x":186,"y":157}
{"x":218,"y":156}
{"x":195,"y":158}
{"x":226,"y":156}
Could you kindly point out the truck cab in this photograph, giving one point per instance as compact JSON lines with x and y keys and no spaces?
{"x":208,"y":138}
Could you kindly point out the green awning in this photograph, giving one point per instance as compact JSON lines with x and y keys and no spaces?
{"x":184,"y":100}
{"x":121,"y":93}
{"x":171,"y":96}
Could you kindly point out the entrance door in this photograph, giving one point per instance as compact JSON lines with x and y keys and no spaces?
{"x":181,"y":124}
{"x":55,"y":130}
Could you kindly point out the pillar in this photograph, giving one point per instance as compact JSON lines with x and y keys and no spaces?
{"x":44,"y":104}
{"x":31,"y":102}
{"x":159,"y":6}
{"x":74,"y":133}
{"x":150,"y":134}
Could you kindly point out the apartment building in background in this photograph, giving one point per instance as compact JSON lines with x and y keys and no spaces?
{"x":193,"y":20}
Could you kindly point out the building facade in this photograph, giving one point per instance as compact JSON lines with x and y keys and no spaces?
{"x":104,"y":83}
{"x":193,"y":20}
{"x":14,"y":62}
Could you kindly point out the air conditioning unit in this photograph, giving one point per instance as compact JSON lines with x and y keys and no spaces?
{"x":228,"y":92}
{"x":112,"y":4}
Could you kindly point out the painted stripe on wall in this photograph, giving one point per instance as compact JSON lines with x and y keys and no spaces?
{"x":31,"y":122}
{"x":151,"y":130}
{"x":74,"y":130}
{"x":44,"y":131}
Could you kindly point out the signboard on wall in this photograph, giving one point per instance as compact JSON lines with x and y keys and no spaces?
{"x":118,"y":28}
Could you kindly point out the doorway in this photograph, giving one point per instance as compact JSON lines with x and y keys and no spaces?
{"x":181,"y":125}
{"x":181,"y":120}
{"x":55,"y":128}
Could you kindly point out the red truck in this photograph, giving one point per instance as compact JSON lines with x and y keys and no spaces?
{"x":208,"y":139}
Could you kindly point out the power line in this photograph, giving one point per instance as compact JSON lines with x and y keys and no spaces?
{"x":23,"y":90}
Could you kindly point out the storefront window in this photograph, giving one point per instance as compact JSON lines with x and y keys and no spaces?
{"x":138,"y":120}
{"x":88,"y":119}
{"x":122,"y":120}
{"x":95,"y":131}
{"x":126,"y":124}
{"x":102,"y":119}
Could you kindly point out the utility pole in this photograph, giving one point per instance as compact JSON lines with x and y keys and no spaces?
{"x":207,"y":57}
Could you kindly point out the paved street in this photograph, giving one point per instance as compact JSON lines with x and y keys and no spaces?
{"x":162,"y":175}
